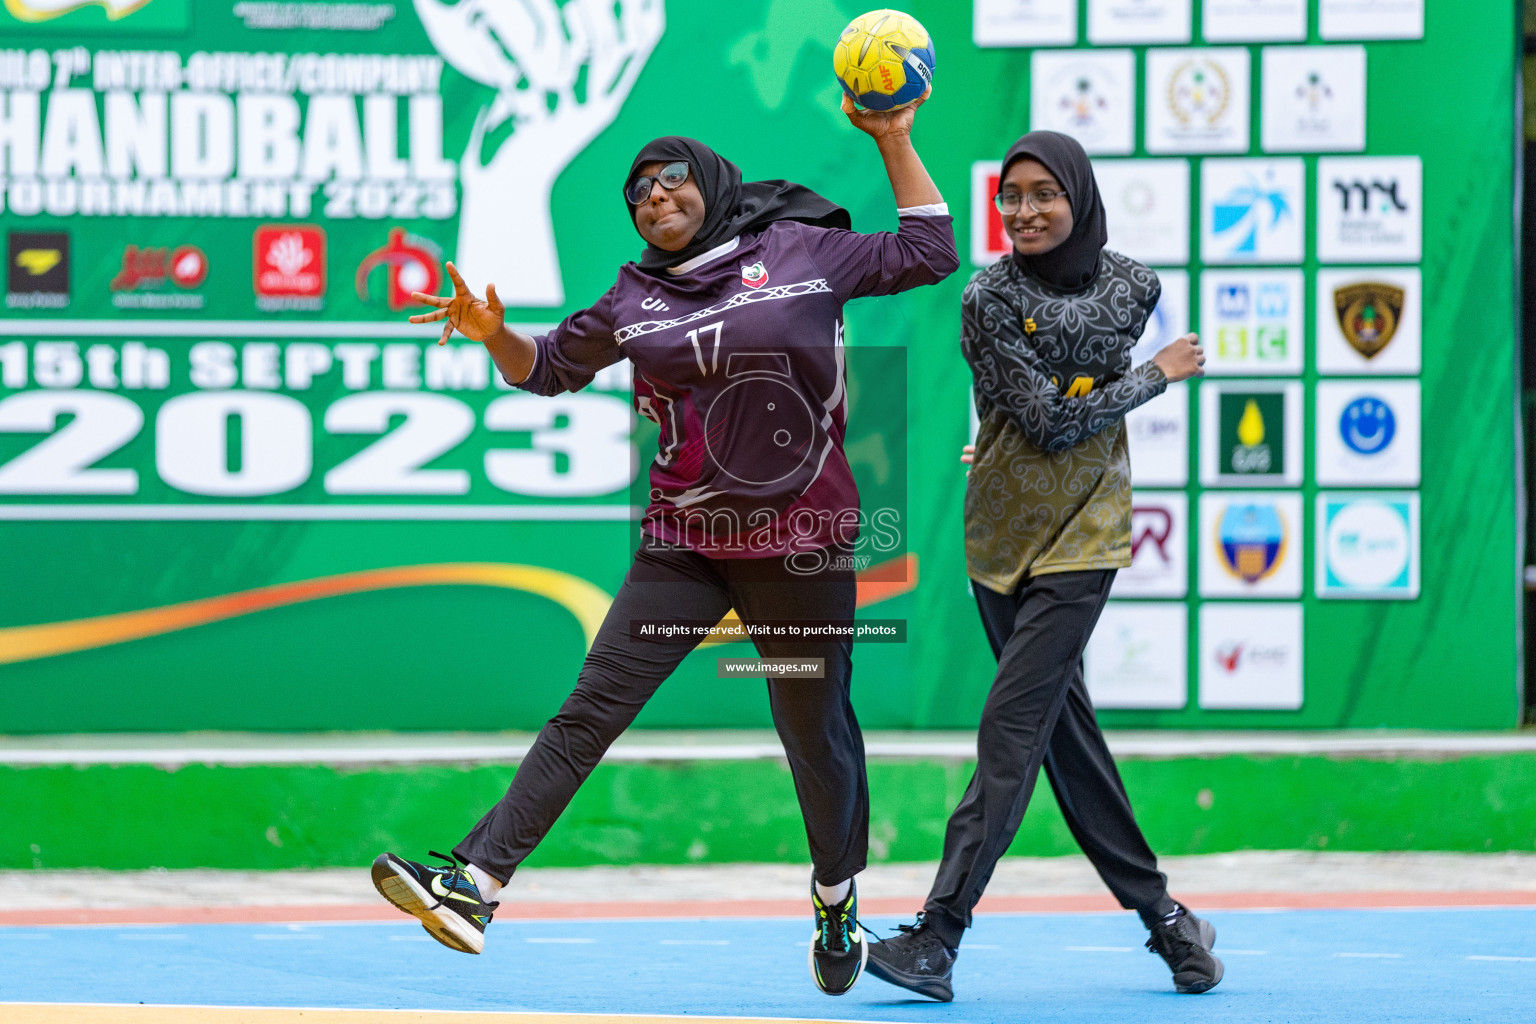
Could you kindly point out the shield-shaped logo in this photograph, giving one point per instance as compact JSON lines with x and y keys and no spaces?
{"x":754,"y":276}
{"x":1368,"y":314}
{"x":1251,"y":540}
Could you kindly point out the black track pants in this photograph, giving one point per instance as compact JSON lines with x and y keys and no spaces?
{"x":814,"y":717}
{"x":1037,"y":713}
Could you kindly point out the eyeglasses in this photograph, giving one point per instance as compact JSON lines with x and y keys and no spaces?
{"x":669,"y":177}
{"x":1040,"y":200}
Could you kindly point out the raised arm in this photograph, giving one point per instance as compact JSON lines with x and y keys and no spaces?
{"x":1010,"y":374}
{"x":892,"y":132}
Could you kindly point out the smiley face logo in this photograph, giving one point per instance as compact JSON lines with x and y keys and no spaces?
{"x":1367,"y":425}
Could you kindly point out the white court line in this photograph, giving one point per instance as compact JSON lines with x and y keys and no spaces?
{"x":695,"y":942}
{"x":748,"y":751}
{"x":1507,"y":959}
{"x":1371,"y":956}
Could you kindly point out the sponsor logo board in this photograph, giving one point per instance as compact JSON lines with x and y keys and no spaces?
{"x":1169,"y":319}
{"x":1251,"y":656}
{"x":1368,"y":433}
{"x":1250,"y":544}
{"x":1253,"y":21}
{"x":1250,"y":433}
{"x":1370,"y":19}
{"x":160,"y":277}
{"x":1369,"y":209}
{"x":1197,"y":100}
{"x":1158,"y":435}
{"x":1159,"y":547}
{"x":1252,"y":210}
{"x":1138,"y":21}
{"x":410,"y":263}
{"x":1024,"y":22}
{"x":1087,"y":95}
{"x":989,"y":242}
{"x":1369,"y":320}
{"x":1138,"y":656}
{"x":1147,"y":205}
{"x":288,"y":264}
{"x":1368,"y":545}
{"x":1251,"y":321}
{"x":37,"y":270}
{"x":1313,"y":99}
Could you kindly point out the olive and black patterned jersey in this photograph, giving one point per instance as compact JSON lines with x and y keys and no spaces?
{"x":1050,"y":488}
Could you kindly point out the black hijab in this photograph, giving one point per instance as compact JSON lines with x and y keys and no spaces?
{"x":731,"y":207}
{"x":1075,"y":262}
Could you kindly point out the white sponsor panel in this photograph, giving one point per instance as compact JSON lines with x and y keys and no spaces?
{"x":1251,"y":321}
{"x":1370,"y":19}
{"x":1089,"y":95}
{"x":1158,"y":434}
{"x":1159,"y":546}
{"x":1139,"y":21}
{"x":1368,"y":433}
{"x":1138,"y":656}
{"x":1369,"y":209}
{"x":1170,"y":318}
{"x":1250,"y":544}
{"x":1024,"y":22}
{"x":1369,"y":320}
{"x":1368,"y":545}
{"x":1313,"y":99}
{"x":989,"y":242}
{"x":1147,"y":205}
{"x":1197,"y":100}
{"x":1253,"y":21}
{"x":1252,"y":210}
{"x":1251,"y":656}
{"x":1241,"y":444}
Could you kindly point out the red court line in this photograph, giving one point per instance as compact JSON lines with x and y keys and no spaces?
{"x":1076,"y":904}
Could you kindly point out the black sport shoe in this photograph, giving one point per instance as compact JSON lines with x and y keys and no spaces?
{"x":917,"y":959}
{"x":1184,"y":942}
{"x":446,"y":899}
{"x":838,"y":949}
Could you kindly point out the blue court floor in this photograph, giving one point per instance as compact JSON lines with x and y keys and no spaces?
{"x":1475,"y":965}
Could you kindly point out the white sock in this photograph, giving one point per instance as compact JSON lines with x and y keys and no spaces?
{"x":832,"y":895}
{"x":487,"y":885}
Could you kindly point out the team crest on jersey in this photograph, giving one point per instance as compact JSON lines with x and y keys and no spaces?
{"x":754,"y":276}
{"x":1368,"y":314}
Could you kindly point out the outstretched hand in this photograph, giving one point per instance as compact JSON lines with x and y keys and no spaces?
{"x":1181,"y":359}
{"x":475,"y":318}
{"x":884,"y":124}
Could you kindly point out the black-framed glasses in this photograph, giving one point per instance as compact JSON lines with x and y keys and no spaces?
{"x":1040,"y":200}
{"x":669,"y":178}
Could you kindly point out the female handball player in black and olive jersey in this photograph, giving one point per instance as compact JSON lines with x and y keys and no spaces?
{"x":1048,"y":332}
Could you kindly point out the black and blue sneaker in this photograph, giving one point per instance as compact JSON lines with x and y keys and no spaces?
{"x":1185,"y":941}
{"x":838,"y":949}
{"x":445,"y":899}
{"x":917,"y":960}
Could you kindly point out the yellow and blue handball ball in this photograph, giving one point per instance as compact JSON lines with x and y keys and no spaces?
{"x":884,"y":60}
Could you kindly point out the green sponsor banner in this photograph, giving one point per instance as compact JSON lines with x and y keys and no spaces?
{"x":238,"y":490}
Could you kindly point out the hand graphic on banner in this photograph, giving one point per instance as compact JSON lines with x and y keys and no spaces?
{"x":505,"y":228}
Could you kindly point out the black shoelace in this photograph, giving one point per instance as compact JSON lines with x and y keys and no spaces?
{"x":458,"y":874}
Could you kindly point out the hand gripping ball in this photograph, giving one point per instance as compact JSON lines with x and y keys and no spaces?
{"x":884,"y":60}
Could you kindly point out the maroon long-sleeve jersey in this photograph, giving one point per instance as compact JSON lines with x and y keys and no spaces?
{"x":738,"y":358}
